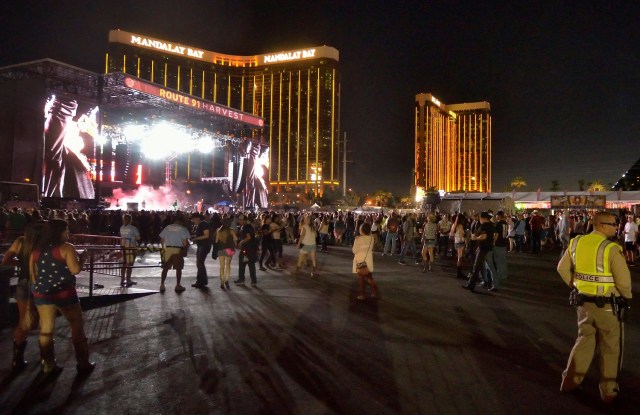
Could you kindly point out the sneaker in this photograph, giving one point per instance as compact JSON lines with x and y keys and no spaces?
{"x":417,"y":262}
{"x":226,"y":284}
{"x":222,"y":287}
{"x":179,"y":288}
{"x":238,"y":282}
{"x":401,"y":263}
{"x":196,"y":285}
{"x":263,"y":269}
{"x":424,"y":269}
{"x":162,"y":289}
{"x":254,"y":284}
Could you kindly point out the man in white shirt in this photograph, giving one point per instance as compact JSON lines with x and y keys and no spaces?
{"x":444,"y":227}
{"x":130,"y":237}
{"x":630,"y":232}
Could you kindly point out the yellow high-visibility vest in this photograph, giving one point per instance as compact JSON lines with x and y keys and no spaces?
{"x":590,"y":256}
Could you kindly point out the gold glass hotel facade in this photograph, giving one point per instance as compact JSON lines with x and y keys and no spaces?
{"x":296,"y":93}
{"x":452,"y":145}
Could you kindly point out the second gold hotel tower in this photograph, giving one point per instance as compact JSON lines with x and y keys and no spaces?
{"x":296,"y":92}
{"x":452,"y":145}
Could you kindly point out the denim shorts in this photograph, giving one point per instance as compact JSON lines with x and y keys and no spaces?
{"x":429,"y":243}
{"x":308,"y":248}
{"x":62,"y":298}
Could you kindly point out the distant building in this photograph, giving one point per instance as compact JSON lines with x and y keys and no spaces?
{"x":296,"y":92}
{"x":630,"y":180}
{"x":452,"y":145}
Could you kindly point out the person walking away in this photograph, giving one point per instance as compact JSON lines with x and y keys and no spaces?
{"x":200,"y":236}
{"x":363,"y":253}
{"x":520,"y":229}
{"x":598,"y":283}
{"x":429,"y":233}
{"x":248,"y":251}
{"x":392,"y":235}
{"x":630,"y":233}
{"x":18,"y":255}
{"x":53,"y":265}
{"x":173,"y":238}
{"x":496,"y":259}
{"x":290,"y":226}
{"x":338,"y":229}
{"x":323,"y":230}
{"x":226,"y":242}
{"x":484,"y":238}
{"x":130,"y":236}
{"x":536,"y":222}
{"x":277,"y":231}
{"x":444,"y":228}
{"x":564,"y":231}
{"x":307,"y":245}
{"x":350,"y":228}
{"x":408,"y":239}
{"x":459,"y":242}
{"x":266,"y":243}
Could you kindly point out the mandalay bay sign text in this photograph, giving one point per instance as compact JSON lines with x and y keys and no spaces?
{"x":169,"y":47}
{"x":290,"y":56}
{"x":191,"y":102}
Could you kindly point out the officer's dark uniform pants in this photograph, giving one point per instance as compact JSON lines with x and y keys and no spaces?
{"x":601,"y":325}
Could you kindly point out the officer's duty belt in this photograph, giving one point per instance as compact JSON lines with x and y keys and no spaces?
{"x":599,"y":301}
{"x":593,"y":278}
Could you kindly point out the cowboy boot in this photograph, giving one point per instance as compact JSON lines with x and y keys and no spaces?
{"x":84,"y":366}
{"x":48,"y":362}
{"x":18,"y":362}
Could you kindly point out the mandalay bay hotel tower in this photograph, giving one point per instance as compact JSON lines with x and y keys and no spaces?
{"x":295,"y":92}
{"x":452,"y":146}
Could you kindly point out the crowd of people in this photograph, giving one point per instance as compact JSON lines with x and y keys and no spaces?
{"x":47,"y":263}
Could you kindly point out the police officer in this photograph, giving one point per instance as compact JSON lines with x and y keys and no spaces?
{"x":597,"y":269}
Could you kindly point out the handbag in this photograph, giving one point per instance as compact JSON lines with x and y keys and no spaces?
{"x":361,"y":267}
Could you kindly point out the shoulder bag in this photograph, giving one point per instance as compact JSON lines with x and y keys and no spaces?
{"x":361,"y":267}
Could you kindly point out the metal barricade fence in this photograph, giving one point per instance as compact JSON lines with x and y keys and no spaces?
{"x":107,"y":256}
{"x":110,"y":260}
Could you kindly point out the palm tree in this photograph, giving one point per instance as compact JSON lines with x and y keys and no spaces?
{"x":555,"y":185}
{"x":596,"y":186}
{"x":352,"y":198}
{"x":381,"y":197}
{"x":407,"y":201}
{"x":518,"y":182}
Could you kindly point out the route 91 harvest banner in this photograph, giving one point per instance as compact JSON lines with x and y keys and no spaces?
{"x":190,"y":101}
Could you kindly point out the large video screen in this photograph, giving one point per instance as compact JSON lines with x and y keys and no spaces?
{"x":70,"y":129}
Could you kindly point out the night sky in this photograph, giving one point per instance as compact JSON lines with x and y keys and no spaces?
{"x":563,"y":78}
